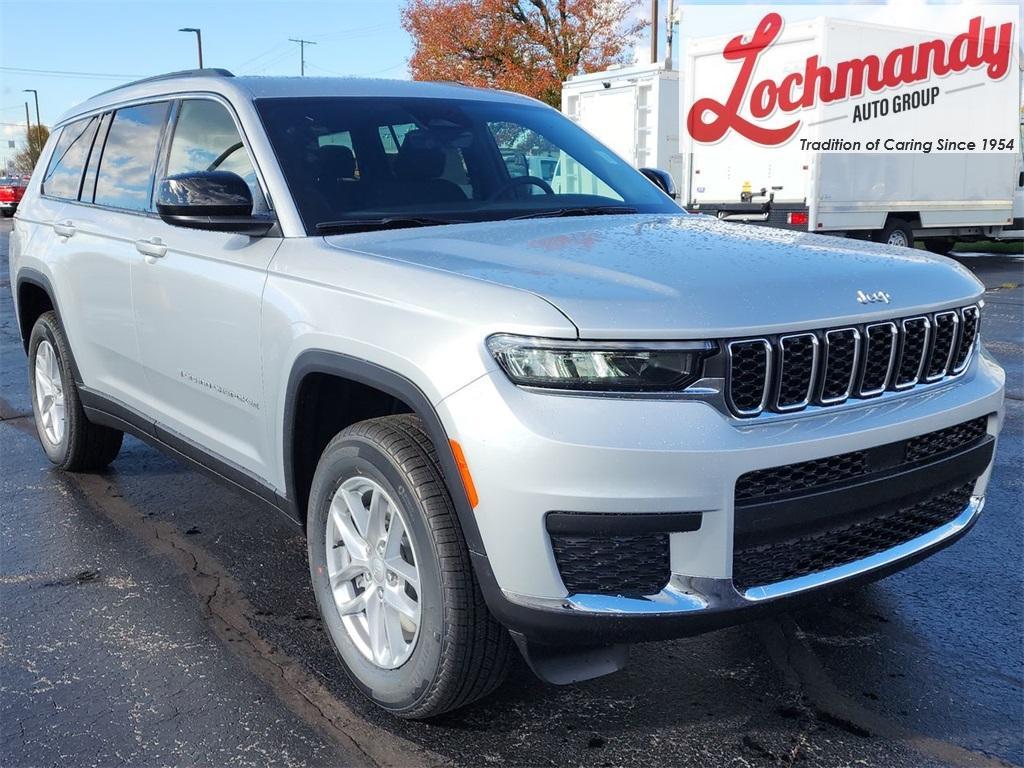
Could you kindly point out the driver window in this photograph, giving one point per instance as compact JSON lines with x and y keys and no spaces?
{"x":206,"y":139}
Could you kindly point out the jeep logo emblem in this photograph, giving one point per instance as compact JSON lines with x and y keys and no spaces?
{"x":873,"y":298}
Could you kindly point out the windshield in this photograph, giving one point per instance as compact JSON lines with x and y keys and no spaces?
{"x":364,"y":163}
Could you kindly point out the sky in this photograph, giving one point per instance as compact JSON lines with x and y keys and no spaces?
{"x":72,"y":49}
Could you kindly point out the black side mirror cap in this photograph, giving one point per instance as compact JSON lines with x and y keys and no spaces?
{"x":216,"y":201}
{"x":662,"y":180}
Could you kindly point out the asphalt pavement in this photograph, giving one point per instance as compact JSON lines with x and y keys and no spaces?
{"x":149,"y":616}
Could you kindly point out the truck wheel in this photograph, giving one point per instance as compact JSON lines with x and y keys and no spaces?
{"x":939,"y":245}
{"x":392,"y":575}
{"x":70,"y":440}
{"x":896,"y":232}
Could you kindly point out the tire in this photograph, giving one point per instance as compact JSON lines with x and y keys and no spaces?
{"x":8,"y":212}
{"x":897,"y":232}
{"x":459,"y":652}
{"x":70,"y":440}
{"x":939,"y":245}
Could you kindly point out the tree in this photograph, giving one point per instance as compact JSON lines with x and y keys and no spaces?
{"x":35,"y":139}
{"x":527,"y":46}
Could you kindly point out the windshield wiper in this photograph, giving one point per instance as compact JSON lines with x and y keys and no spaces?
{"x":582,"y":210}
{"x":380,"y":222}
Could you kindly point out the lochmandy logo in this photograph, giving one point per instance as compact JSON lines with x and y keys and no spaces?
{"x":974,"y":48}
{"x":873,"y":298}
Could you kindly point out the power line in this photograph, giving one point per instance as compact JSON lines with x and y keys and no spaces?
{"x":67,"y":73}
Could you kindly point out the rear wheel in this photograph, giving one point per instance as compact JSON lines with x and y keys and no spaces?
{"x":939,"y":245}
{"x":70,"y":440}
{"x":392,"y":575}
{"x":896,"y":232}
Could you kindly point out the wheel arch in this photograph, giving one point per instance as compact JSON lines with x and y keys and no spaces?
{"x":363,"y":373}
{"x":34,"y":295}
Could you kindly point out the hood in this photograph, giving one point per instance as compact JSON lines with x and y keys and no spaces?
{"x":681,"y":276}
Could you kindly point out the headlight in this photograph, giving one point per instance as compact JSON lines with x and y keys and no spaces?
{"x":607,"y":366}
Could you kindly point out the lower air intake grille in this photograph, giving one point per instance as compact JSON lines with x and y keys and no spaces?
{"x":627,"y":566}
{"x":781,"y":561}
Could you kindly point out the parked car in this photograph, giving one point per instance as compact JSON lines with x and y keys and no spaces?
{"x":559,"y":422}
{"x":12,"y":188}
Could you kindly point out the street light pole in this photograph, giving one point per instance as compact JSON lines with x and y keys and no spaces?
{"x":35,"y":93}
{"x":302,"y":53}
{"x":199,"y":41}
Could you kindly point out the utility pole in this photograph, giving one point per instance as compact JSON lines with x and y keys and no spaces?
{"x":199,"y":41}
{"x":35,"y":93}
{"x":669,"y":26}
{"x":654,"y":31}
{"x":302,"y":53}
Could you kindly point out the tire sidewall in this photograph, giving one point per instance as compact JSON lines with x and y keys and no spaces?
{"x":394,"y":689}
{"x":43,"y":331}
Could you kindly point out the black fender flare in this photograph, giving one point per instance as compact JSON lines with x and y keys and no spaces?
{"x":398,"y":386}
{"x":30,"y":276}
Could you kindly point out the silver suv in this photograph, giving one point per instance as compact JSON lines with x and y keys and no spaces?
{"x":513,"y":394}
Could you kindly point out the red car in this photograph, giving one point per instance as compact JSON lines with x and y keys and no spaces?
{"x":12,"y":189}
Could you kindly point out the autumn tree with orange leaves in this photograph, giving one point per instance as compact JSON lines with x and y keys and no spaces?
{"x":528,"y":46}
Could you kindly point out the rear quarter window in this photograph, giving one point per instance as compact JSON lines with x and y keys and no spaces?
{"x":63,"y":176}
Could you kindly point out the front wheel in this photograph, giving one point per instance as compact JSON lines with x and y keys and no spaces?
{"x":70,"y":440}
{"x":392,"y":575}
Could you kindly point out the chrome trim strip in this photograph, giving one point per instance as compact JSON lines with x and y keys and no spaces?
{"x":878,"y":560}
{"x":897,"y":384}
{"x":767,"y":376}
{"x":853,"y":369}
{"x":974,"y":309}
{"x":894,"y":341}
{"x":815,"y":360}
{"x":954,"y":344}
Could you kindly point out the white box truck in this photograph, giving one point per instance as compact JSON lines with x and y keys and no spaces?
{"x":632,"y":110}
{"x":893,"y":197}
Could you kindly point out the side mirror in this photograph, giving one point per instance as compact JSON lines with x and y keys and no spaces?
{"x":217,"y":201}
{"x":662,"y":180}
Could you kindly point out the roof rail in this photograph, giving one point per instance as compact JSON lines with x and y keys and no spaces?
{"x":207,"y":72}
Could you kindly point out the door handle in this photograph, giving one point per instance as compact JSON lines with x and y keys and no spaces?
{"x":153,"y":247}
{"x":64,"y":228}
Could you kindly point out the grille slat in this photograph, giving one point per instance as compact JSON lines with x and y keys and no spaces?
{"x":791,"y":372}
{"x":625,"y":565}
{"x":970,"y":317}
{"x":879,"y":356}
{"x":943,"y":339}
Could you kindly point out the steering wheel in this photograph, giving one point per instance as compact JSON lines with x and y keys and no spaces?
{"x":519,"y":181}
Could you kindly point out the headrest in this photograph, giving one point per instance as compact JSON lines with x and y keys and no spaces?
{"x":420,"y":157}
{"x":336,"y":161}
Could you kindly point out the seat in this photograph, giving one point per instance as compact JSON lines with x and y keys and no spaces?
{"x":420,"y":162}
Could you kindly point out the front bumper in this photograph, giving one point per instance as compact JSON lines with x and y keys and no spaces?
{"x":533,"y":453}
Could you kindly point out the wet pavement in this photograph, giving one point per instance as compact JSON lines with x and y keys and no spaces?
{"x":149,"y":616}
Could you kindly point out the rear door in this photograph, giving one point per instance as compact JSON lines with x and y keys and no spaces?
{"x":96,"y":246}
{"x":197,"y":302}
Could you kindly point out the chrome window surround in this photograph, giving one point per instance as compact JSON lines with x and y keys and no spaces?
{"x":815,"y":362}
{"x":853,"y":368}
{"x":893,"y":344}
{"x":953,"y":346}
{"x":767,"y":375}
{"x":897,"y":384}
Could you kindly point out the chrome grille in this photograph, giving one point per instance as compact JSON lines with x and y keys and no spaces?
{"x":789,"y":372}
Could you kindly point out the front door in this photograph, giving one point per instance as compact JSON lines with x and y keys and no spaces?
{"x":197,"y":299}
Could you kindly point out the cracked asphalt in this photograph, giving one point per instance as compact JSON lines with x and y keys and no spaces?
{"x":149,"y":616}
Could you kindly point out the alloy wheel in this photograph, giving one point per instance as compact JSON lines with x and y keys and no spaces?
{"x":373,"y":571}
{"x":49,"y":391}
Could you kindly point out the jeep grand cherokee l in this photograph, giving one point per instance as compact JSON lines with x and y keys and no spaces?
{"x":553,"y":413}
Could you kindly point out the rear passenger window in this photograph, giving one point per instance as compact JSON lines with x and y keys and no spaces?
{"x":64,"y":175}
{"x":129,"y":157}
{"x":206,"y":139}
